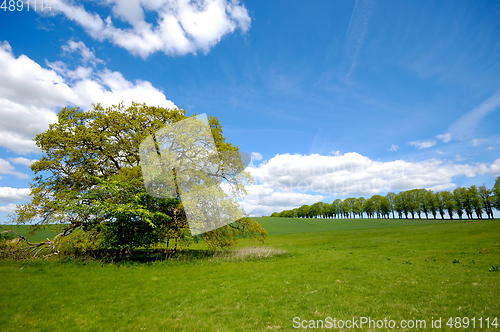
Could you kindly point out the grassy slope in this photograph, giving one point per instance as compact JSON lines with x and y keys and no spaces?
{"x":280,"y":226}
{"x":37,"y":236}
{"x":396,"y":273}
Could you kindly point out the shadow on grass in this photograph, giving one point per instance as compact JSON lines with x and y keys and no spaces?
{"x":141,"y":256}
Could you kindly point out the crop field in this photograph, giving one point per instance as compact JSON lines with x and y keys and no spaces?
{"x":397,"y":270}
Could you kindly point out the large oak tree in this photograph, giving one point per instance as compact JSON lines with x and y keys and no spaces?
{"x":89,"y":180}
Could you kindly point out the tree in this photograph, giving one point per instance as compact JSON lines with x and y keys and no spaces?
{"x":449,"y":202}
{"x":399,"y":205}
{"x":385,"y":207}
{"x":457,"y":198}
{"x":420,"y":204}
{"x":412,"y":202}
{"x":466,"y":199}
{"x":430,"y":203}
{"x":391,"y":198}
{"x":327,"y":210}
{"x":303,"y":211}
{"x":496,"y":194}
{"x":350,"y":206}
{"x":486,"y":197}
{"x":369,"y":207}
{"x":316,"y":209}
{"x":375,"y":205}
{"x":358,"y":206}
{"x":476,"y":202}
{"x":438,"y":198}
{"x":336,"y":207}
{"x":90,"y":179}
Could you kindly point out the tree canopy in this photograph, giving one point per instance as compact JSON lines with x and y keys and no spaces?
{"x":89,"y":179}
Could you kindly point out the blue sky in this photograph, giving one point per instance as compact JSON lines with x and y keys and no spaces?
{"x":334,"y":98}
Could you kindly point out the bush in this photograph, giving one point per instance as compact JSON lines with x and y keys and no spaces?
{"x":6,"y":235}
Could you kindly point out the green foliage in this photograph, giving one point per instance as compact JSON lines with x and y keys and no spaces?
{"x":496,"y":194}
{"x":226,"y":236}
{"x":90,"y":179}
{"x":125,"y":215}
{"x":5,"y":235}
{"x":80,"y":244}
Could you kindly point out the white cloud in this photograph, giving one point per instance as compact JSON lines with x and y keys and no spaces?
{"x":256,"y":156}
{"x":357,"y":175}
{"x":182,"y":26}
{"x":8,"y":208}
{"x":465,"y":126}
{"x":11,"y":195}
{"x":394,"y":147}
{"x":423,"y":144}
{"x":490,"y":148}
{"x":445,"y":137}
{"x":267,"y":200}
{"x":22,"y":161}
{"x":31,"y":94}
{"x":7,"y":168}
{"x":495,"y":168}
{"x":87,"y":54}
{"x":289,"y":181}
{"x":441,"y":187}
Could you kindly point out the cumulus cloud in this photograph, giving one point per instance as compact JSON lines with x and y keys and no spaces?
{"x":22,"y":161}
{"x":31,"y":94}
{"x":394,"y":147}
{"x":256,"y":156}
{"x":495,"y":168}
{"x":288,"y":181}
{"x":358,"y":175}
{"x":87,"y":55}
{"x":423,"y":144}
{"x":444,"y":137}
{"x":7,"y":168}
{"x":11,"y":208}
{"x":181,"y":27}
{"x":264,"y":200}
{"x":11,"y":195}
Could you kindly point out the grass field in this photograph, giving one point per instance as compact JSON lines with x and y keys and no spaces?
{"x":280,"y":226}
{"x":334,"y":268}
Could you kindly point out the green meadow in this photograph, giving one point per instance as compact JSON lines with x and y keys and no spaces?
{"x":397,"y":270}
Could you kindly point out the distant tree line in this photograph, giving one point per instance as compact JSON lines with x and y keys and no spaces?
{"x":464,"y":202}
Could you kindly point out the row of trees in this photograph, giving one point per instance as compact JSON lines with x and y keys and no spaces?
{"x":463,"y":202}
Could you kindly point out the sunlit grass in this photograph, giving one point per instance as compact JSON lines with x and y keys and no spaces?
{"x":408,"y":272}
